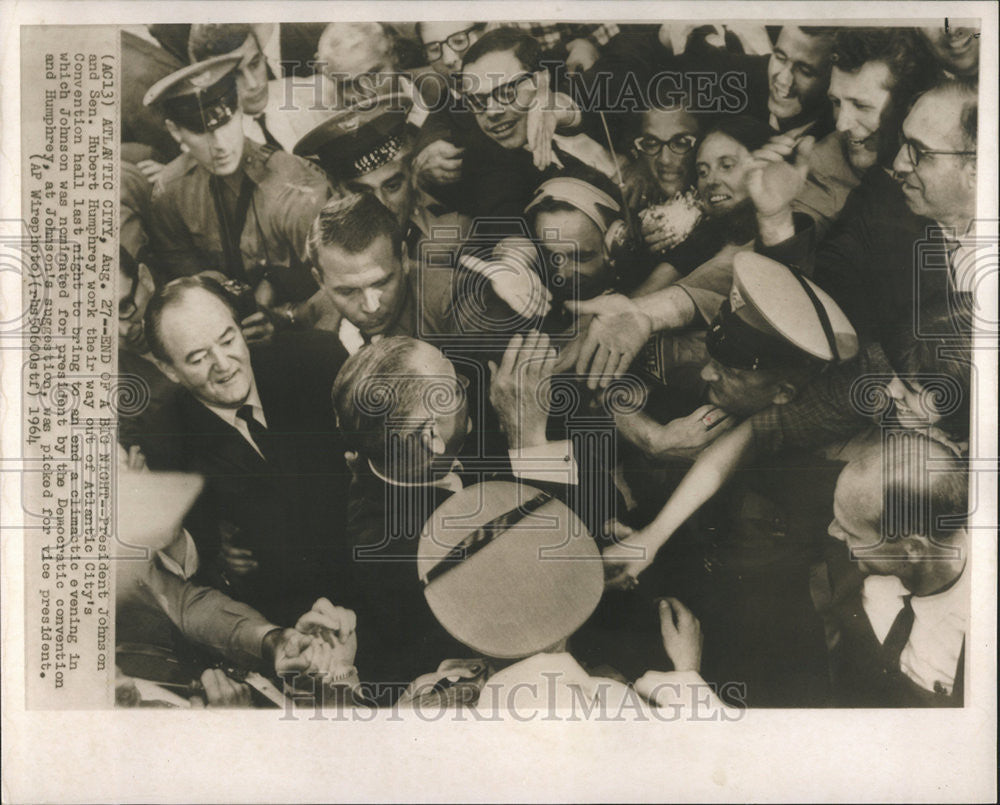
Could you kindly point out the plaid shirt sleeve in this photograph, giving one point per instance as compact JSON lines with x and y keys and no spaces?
{"x":552,"y":35}
{"x":821,"y":414}
{"x":601,"y":34}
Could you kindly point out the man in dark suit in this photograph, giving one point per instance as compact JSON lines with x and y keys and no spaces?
{"x":258,"y":427}
{"x":403,"y":411}
{"x":900,"y":634}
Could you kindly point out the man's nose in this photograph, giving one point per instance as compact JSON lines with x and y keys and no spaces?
{"x":895,"y":389}
{"x":251,"y":80}
{"x":783,"y":78}
{"x":221,"y":360}
{"x":845,"y":118}
{"x":450,"y":58}
{"x":709,"y":372}
{"x":902,"y":165}
{"x":372,"y":300}
{"x":494,"y":108}
{"x":667,"y":157}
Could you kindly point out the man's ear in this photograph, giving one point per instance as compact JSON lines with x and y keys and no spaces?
{"x":785,"y":393}
{"x":916,"y":547}
{"x":146,"y":277}
{"x":970,"y":168}
{"x":174,"y":130}
{"x":430,"y":438}
{"x":167,"y":369}
{"x":317,"y":275}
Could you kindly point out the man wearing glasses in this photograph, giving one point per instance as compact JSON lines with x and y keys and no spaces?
{"x":531,"y":129}
{"x":445,"y":44}
{"x":876,"y":75}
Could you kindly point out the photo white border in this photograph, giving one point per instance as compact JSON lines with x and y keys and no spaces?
{"x":794,"y":755}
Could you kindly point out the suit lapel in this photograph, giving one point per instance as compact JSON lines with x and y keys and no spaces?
{"x":220,"y":443}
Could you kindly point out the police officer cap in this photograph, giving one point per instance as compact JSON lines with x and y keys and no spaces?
{"x":200,"y":97}
{"x":360,"y":139}
{"x":775,"y":316}
{"x":508,"y":570}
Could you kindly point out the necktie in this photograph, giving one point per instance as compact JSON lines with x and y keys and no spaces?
{"x":269,"y":138}
{"x":899,"y":634}
{"x":257,"y":431}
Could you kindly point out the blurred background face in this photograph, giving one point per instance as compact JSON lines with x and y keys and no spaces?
{"x":721,"y":167}
{"x":861,"y":102}
{"x":574,"y":254}
{"x":957,"y":49}
{"x":503,"y":121}
{"x":133,"y":296}
{"x":391,"y":185}
{"x":367,"y":287}
{"x":446,"y":42}
{"x":206,"y":351}
{"x":797,"y":72}
{"x":357,"y":63}
{"x":739,"y":391}
{"x":251,"y":79}
{"x":219,"y":151}
{"x":939,"y":186}
{"x":669,"y":132}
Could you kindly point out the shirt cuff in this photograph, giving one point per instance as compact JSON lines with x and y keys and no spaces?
{"x":259,"y":633}
{"x":707,"y":303}
{"x":552,"y":462}
{"x":684,"y":690}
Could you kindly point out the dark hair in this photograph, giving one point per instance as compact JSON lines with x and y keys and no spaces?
{"x":911,"y":71}
{"x":825,"y":31}
{"x":940,"y":358}
{"x":919,"y":498}
{"x":524,"y":45}
{"x":747,"y":131}
{"x":216,"y":39}
{"x":376,"y":386}
{"x":352,"y":223}
{"x":173,"y":294}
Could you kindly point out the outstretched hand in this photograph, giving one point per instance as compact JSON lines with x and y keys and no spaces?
{"x":772,"y":181}
{"x":614,"y":337}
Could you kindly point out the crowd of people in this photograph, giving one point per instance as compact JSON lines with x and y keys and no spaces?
{"x":523,"y":364}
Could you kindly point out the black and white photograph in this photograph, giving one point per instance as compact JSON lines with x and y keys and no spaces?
{"x":614,"y":377}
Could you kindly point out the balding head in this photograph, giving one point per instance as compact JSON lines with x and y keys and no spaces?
{"x":400,"y":404}
{"x":901,"y":509}
{"x":936,"y":167}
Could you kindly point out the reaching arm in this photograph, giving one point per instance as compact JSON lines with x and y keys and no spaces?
{"x":714,"y":467}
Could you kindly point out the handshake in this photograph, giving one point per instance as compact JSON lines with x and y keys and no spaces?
{"x":321,"y":647}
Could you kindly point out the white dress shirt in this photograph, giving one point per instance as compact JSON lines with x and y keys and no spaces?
{"x":930,"y":656}
{"x":551,"y":461}
{"x":228,"y":415}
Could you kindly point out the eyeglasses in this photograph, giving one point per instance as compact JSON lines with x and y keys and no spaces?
{"x":458,"y":42}
{"x":127,"y":307}
{"x":505,"y":94}
{"x":652,"y":146}
{"x":915,"y":153}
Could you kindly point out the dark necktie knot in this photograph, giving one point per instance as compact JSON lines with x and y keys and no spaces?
{"x":246,"y":414}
